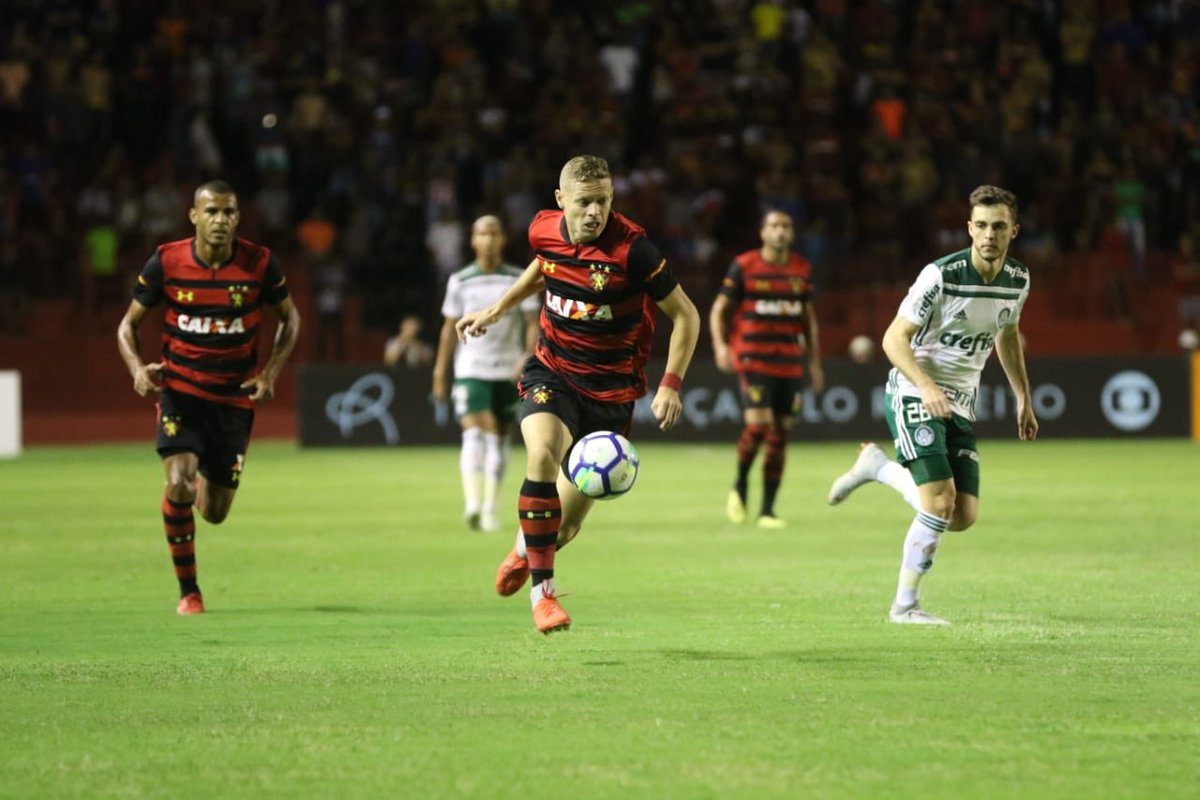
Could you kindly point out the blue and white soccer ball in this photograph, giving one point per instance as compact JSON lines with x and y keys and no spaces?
{"x":603,"y":465}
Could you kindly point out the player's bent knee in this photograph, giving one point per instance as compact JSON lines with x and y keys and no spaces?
{"x":182,"y":489}
{"x":941,"y":506}
{"x":962,"y":519}
{"x":566,"y":533}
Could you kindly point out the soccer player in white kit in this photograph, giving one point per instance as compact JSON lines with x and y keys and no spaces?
{"x":485,"y":374}
{"x":961,"y":307}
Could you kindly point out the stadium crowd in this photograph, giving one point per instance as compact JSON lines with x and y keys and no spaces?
{"x":364,"y":136}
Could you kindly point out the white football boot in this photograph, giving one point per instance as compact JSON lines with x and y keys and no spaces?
{"x":914,"y":615}
{"x":866,"y":466}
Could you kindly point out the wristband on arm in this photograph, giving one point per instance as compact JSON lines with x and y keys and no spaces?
{"x":671,"y":381}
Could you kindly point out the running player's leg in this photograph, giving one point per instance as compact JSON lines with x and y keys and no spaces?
{"x":179,"y":441}
{"x":499,"y":417}
{"x":756,"y":421}
{"x":179,"y":525}
{"x":539,"y":510}
{"x":921,"y":445}
{"x":470,"y":406}
{"x":785,"y":398}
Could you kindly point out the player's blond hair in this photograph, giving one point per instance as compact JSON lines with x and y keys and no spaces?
{"x":994,"y":196}
{"x":584,"y":168}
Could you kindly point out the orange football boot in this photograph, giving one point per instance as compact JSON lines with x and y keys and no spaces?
{"x":548,"y":615}
{"x":512,"y":573}
{"x":190,"y":603}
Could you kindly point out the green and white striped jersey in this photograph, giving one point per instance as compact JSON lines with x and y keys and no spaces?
{"x":495,"y":355}
{"x":959,"y":315}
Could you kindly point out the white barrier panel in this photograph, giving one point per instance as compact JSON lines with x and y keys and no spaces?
{"x":10,"y":413}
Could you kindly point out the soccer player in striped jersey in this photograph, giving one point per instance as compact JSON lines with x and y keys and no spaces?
{"x":602,"y":279}
{"x":485,"y":374}
{"x":774,"y":332}
{"x":961,"y":307}
{"x":215,"y":286}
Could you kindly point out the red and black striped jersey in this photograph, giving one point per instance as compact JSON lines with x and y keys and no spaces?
{"x":598,"y":319}
{"x":768,"y":313}
{"x":210,"y":333}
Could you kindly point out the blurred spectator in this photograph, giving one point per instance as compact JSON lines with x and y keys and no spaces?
{"x":1185,"y":271}
{"x":98,"y":266}
{"x":407,"y":348}
{"x":330,"y":281}
{"x":1129,"y":195}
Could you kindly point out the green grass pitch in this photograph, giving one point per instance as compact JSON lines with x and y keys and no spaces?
{"x":354,"y":646}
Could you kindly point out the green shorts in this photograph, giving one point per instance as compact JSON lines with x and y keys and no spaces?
{"x":933,"y":448}
{"x":474,"y":395}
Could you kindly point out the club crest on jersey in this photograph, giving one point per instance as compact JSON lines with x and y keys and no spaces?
{"x":237,"y":294}
{"x":547,"y":267}
{"x":923,"y":435}
{"x":797,"y":285}
{"x":576,"y":309}
{"x":170,"y":425}
{"x":599,"y":275}
{"x":191,"y":324}
{"x":184,"y":296}
{"x":541,"y":395}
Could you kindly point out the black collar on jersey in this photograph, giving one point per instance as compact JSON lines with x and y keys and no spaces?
{"x":232,"y":255}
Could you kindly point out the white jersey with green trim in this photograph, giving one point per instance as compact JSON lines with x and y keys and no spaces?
{"x":496,"y":355}
{"x":959,"y":314}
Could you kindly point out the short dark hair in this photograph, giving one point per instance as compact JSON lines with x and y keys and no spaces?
{"x":994,"y":196}
{"x":762,"y":220}
{"x":585,"y":168}
{"x":213,"y":187}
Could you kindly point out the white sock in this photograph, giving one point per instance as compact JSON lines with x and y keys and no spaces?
{"x":919,"y":547}
{"x":470,"y":465}
{"x":896,"y":476}
{"x":494,"y":462}
{"x":536,"y":592}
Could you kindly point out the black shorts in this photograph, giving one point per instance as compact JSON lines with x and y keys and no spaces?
{"x":216,"y":432}
{"x":543,"y":391}
{"x":781,"y":395}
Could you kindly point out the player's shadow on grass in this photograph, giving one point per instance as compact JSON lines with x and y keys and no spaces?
{"x":809,"y":656}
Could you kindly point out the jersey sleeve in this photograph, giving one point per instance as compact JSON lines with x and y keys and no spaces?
{"x":452,"y":303}
{"x":648,"y":267}
{"x":149,"y":287}
{"x":732,"y":285}
{"x":275,"y":288}
{"x":924,"y":296}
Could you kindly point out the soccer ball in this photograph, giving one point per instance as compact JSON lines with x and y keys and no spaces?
{"x":603,"y":465}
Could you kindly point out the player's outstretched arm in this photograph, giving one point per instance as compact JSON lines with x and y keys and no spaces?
{"x":1012,"y":359}
{"x":475,"y":323}
{"x":262,"y":385}
{"x":897,"y":344}
{"x":685,"y":330}
{"x":145,"y":376}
